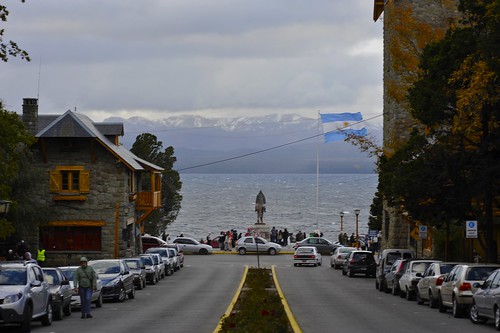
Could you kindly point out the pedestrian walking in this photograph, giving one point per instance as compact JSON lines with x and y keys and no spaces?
{"x":85,"y":281}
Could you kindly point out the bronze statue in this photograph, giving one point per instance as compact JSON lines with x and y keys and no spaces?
{"x":260,"y":206}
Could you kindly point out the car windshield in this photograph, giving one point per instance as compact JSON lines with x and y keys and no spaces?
{"x":69,"y":272}
{"x":133,"y":263}
{"x":446,"y":268}
{"x":106,"y":267}
{"x":420,"y":267}
{"x":304,"y":250}
{"x":479,"y":273}
{"x":172,"y":252}
{"x":345,"y":250}
{"x":13,"y":276}
{"x":148,"y":261}
{"x":52,"y":277}
{"x":161,"y":252}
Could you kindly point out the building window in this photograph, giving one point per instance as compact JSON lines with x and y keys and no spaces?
{"x":69,"y":180}
{"x":71,"y":238}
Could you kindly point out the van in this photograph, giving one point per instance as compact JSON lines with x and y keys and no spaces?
{"x":386,"y":259}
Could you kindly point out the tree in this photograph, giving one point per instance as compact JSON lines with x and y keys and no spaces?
{"x":451,"y":172}
{"x":147,"y":147}
{"x":14,"y":149}
{"x":9,"y":49}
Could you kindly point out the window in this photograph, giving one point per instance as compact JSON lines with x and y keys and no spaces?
{"x":69,"y":180}
{"x":71,"y":238}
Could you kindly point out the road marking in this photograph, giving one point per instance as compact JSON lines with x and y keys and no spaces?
{"x":291,"y":318}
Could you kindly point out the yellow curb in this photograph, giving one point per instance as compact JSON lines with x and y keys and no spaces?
{"x":291,"y":318}
{"x":233,"y":301}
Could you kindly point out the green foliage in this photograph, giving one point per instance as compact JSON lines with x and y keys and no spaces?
{"x":10,"y":48}
{"x":147,"y":147}
{"x":376,"y":210}
{"x":259,"y":307}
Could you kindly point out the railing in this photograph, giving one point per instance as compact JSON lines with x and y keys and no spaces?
{"x":148,"y":200}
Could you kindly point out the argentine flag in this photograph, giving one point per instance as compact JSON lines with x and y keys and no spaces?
{"x":339,"y":125}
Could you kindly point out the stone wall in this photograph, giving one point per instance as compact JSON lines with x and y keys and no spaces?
{"x":398,"y":121}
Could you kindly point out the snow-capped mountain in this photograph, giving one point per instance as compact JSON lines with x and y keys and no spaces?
{"x":275,"y":143}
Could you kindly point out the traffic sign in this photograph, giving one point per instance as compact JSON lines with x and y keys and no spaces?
{"x":422,"y":232}
{"x":414,"y":234}
{"x":471,"y":229}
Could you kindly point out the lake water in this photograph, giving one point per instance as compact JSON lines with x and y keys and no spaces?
{"x":217,"y":202}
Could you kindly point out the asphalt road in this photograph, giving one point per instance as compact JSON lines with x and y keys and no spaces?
{"x":321,"y":298}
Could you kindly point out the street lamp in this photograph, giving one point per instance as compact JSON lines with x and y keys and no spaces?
{"x":356,"y":211}
{"x":341,"y":221}
{"x":4,"y":207}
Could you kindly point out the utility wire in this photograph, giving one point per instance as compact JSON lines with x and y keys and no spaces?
{"x":272,"y":148}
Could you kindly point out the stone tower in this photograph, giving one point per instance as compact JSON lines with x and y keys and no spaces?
{"x":408,"y":25}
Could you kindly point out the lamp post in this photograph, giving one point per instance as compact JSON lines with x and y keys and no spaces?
{"x":356,"y":211}
{"x":4,"y":207}
{"x":341,"y":221}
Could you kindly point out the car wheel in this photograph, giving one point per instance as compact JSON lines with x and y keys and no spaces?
{"x":26,"y":323}
{"x":144,"y":283}
{"x":387,"y":289}
{"x":295,"y":265}
{"x":47,"y":319}
{"x":383,"y":285}
{"x":420,"y":301}
{"x":441,"y":306}
{"x":131,"y":294}
{"x":272,"y":251}
{"x":139,"y":287}
{"x":456,"y":308}
{"x":242,"y":251}
{"x":497,"y":319}
{"x":58,"y":312}
{"x":344,"y":272}
{"x":432,"y":301}
{"x":350,"y":273}
{"x":98,"y":302}
{"x":315,"y":264}
{"x":475,"y":317}
{"x":409,"y":295}
{"x":402,"y":293}
{"x":203,"y":251}
{"x":122,"y":294}
{"x":67,"y":309}
{"x":377,"y":285}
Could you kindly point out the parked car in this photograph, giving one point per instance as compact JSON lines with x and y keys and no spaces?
{"x":166,"y":256}
{"x":410,"y":278}
{"x":60,"y":292}
{"x":117,"y":281}
{"x":307,"y":255}
{"x":457,"y":289}
{"x":339,"y":256}
{"x":191,"y":245}
{"x":427,"y":287}
{"x":152,"y":273}
{"x":323,"y":245}
{"x":152,"y":241}
{"x":486,"y":301}
{"x":96,"y":298}
{"x":138,"y":269}
{"x":253,"y":244}
{"x":359,"y":262}
{"x":24,"y":295}
{"x":180,"y":254}
{"x":386,"y":260}
{"x":394,"y":275}
{"x":175,"y":257}
{"x":160,"y":264}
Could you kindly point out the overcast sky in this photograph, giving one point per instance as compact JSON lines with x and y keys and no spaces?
{"x":216,"y":58}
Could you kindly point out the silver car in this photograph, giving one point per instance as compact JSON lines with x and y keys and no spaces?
{"x":256,"y":244}
{"x":188,"y":244}
{"x":427,"y":287}
{"x":410,"y":278}
{"x":24,"y":295}
{"x":339,"y":256}
{"x":486,"y":301}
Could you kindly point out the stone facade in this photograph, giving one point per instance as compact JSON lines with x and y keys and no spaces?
{"x":398,"y":121}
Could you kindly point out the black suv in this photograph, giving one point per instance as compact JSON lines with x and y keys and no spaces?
{"x":360,"y":262}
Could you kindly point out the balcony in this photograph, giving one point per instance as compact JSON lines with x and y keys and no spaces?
{"x":148,"y":201}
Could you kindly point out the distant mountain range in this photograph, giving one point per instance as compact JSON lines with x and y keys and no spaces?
{"x":269,"y":144}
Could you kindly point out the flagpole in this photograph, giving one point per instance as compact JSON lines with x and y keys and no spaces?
{"x":317,"y":174}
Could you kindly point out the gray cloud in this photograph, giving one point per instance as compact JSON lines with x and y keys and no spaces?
{"x":195,"y":56}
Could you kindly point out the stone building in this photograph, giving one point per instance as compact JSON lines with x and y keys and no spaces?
{"x":96,"y":192}
{"x":408,"y":25}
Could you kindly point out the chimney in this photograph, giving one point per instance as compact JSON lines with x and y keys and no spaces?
{"x":30,"y":115}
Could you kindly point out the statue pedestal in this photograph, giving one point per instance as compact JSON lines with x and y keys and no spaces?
{"x":262,"y":230}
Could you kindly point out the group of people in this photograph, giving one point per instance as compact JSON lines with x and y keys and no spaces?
{"x":22,"y":253}
{"x":227,"y":239}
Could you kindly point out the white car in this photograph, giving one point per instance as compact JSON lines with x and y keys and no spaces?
{"x":188,"y":244}
{"x":307,"y":255}
{"x":339,"y":256}
{"x":256,"y":244}
{"x":410,"y":278}
{"x":427,"y":287}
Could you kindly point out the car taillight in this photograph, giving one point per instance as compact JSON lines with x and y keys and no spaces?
{"x":352,"y":261}
{"x":439,"y":280}
{"x":311,"y":257}
{"x":465,"y":286}
{"x":295,"y":256}
{"x":339,"y":256}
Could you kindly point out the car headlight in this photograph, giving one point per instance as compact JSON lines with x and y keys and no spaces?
{"x":12,"y":298}
{"x":113,"y":282}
